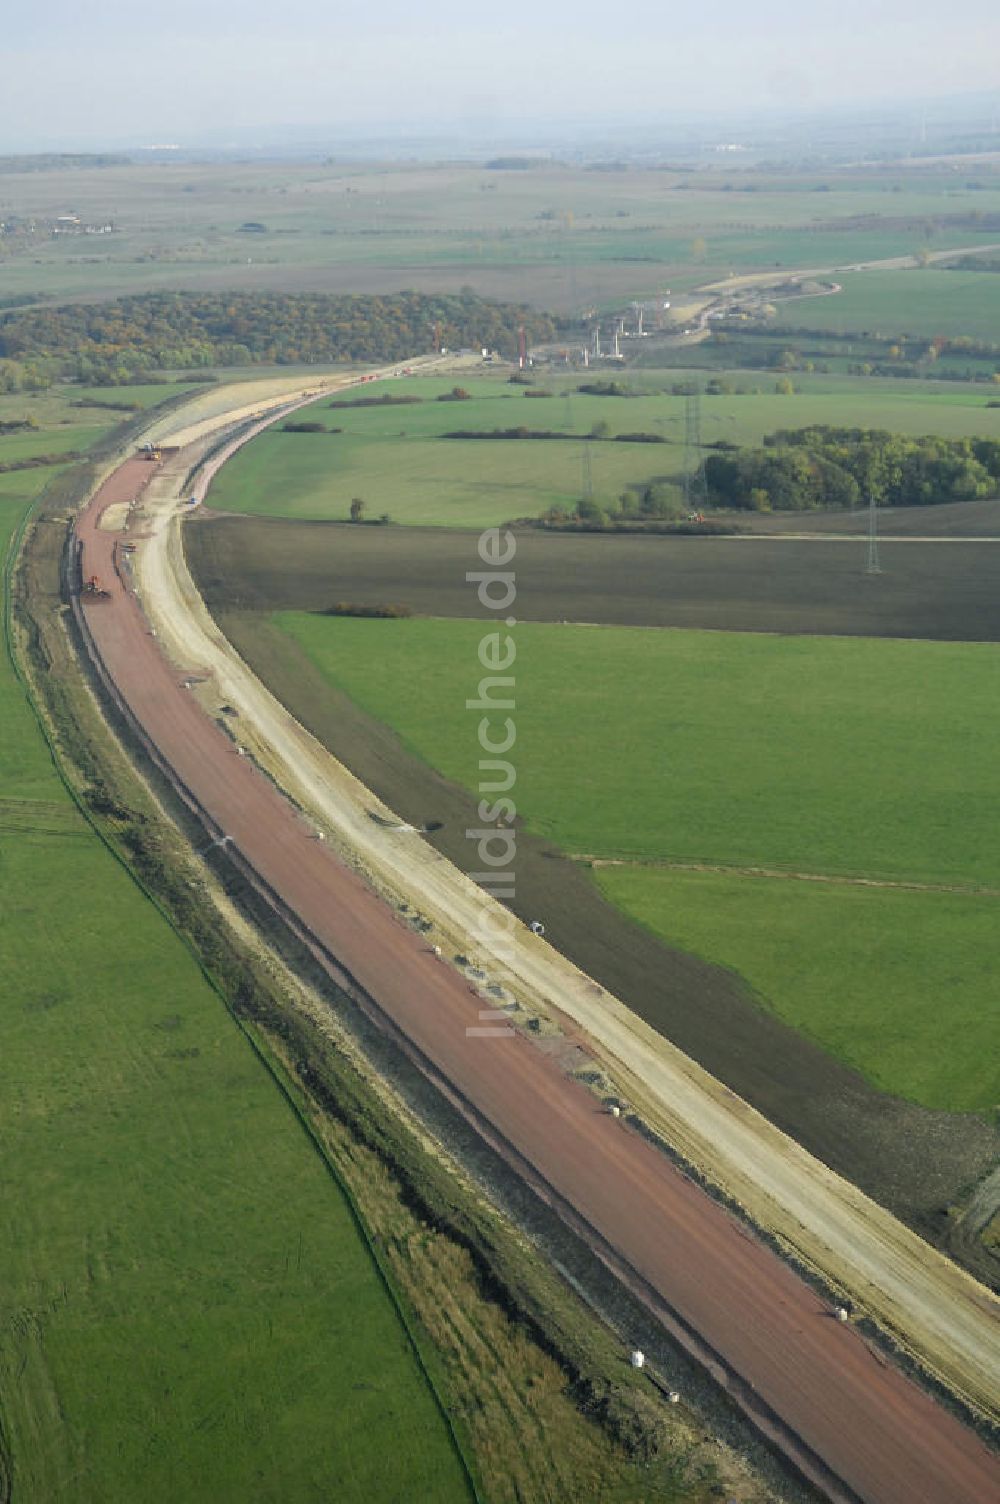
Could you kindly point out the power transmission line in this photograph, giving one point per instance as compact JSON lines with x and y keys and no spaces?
{"x":872,"y":565}
{"x":588,"y":479}
{"x":695,"y":491}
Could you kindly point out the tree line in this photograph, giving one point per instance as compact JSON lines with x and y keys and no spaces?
{"x":114,"y":343}
{"x":808,"y":468}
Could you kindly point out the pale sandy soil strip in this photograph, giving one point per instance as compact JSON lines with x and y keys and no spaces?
{"x":707,"y":297}
{"x":888,"y":264}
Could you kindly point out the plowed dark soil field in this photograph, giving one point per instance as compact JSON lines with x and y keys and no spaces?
{"x":959,"y":519}
{"x":945,"y":589}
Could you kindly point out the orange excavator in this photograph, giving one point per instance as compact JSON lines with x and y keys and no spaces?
{"x":94,"y":591}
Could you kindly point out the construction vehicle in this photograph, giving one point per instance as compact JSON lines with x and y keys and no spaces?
{"x":94,"y":591}
{"x":150,"y":452}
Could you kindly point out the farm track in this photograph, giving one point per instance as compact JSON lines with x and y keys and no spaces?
{"x":862,"y":1429}
{"x":715,"y":298}
{"x":853,"y":538}
{"x":886,"y":264}
{"x":782,"y":874}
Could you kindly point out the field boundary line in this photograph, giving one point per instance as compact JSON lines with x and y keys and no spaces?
{"x":721,"y":869}
{"x":886,"y":538}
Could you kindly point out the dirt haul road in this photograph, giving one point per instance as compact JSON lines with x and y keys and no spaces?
{"x":716,"y":296}
{"x":887,"y":264}
{"x":853,"y":1413}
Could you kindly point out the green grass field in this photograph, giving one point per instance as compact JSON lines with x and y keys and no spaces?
{"x":29,"y":442}
{"x":896,"y":983}
{"x":395,"y":459}
{"x":62,"y":425}
{"x":560,"y":234}
{"x":397,"y":463}
{"x":25,"y":773}
{"x":187,"y":1309}
{"x":144,"y":394}
{"x":923,"y":302}
{"x":835,"y":756}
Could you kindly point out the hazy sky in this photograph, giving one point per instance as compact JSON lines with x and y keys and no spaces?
{"x":126,"y":72}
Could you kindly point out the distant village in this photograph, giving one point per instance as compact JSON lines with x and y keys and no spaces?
{"x":62,"y":224}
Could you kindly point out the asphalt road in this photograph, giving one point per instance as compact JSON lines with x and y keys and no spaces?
{"x":879,"y":1434}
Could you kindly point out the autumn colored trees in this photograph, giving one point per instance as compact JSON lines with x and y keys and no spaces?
{"x":121,"y":341}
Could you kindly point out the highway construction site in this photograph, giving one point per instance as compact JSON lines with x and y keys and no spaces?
{"x":748,"y":1280}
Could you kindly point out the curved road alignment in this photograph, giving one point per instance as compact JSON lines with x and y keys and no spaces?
{"x":869,"y":1426}
{"x":931,"y":1305}
{"x":947,"y":1320}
